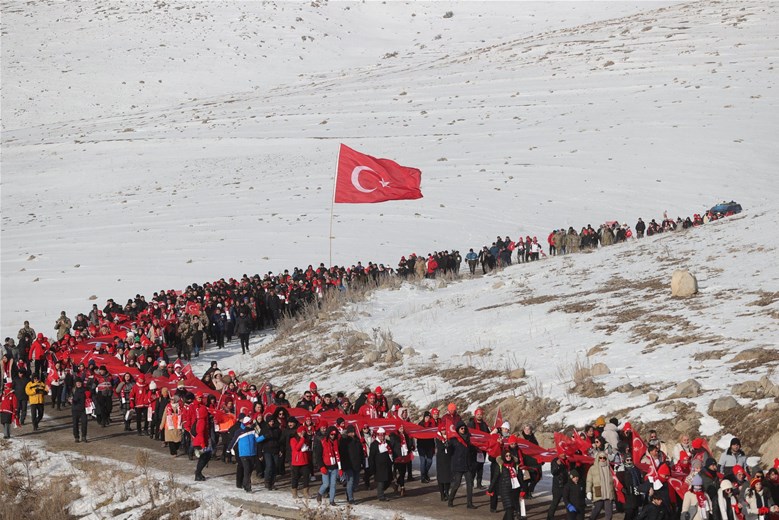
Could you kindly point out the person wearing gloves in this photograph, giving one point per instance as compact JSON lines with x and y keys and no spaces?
{"x":758,"y":501}
{"x":328,"y":458}
{"x":697,"y":504}
{"x":244,"y":445}
{"x":600,"y":486}
{"x":573,"y":496}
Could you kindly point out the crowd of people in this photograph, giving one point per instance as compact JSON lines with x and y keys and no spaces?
{"x":134,"y":357}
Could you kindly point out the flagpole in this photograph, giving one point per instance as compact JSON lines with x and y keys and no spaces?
{"x":332,"y":205}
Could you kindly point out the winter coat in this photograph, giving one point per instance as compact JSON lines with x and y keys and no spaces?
{"x":690,"y":505}
{"x":559,"y":474}
{"x":504,"y":484}
{"x":171,"y":423}
{"x":652,"y":512}
{"x":301,"y":452}
{"x":574,"y":494}
{"x":611,"y":435}
{"x":79,"y":400}
{"x":380,"y":464}
{"x":272,"y":438}
{"x":36,"y":392}
{"x":243,"y":325}
{"x":245,"y":441}
{"x":351,"y":453}
{"x":729,"y":459}
{"x":443,"y":462}
{"x":463,"y":454}
{"x":140,"y":396}
{"x":598,"y":488}
{"x":755,"y":501}
{"x":199,"y":429}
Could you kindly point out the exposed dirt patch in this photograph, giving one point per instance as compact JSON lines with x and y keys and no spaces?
{"x":765,"y":298}
{"x":709,"y":354}
{"x":747,"y":423}
{"x":574,"y":307}
{"x":755,"y":357}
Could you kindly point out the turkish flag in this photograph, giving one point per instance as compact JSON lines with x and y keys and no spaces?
{"x":193,"y":308}
{"x":362,"y":178}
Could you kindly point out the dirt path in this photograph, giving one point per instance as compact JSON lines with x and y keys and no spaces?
{"x":114,"y":443}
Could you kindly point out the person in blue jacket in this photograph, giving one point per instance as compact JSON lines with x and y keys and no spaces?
{"x":244,"y":444}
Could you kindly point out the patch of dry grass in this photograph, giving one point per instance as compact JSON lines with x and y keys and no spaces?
{"x":765,"y":298}
{"x":751,"y":425}
{"x":751,"y":358}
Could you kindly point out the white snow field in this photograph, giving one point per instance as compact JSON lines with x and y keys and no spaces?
{"x":147,"y":145}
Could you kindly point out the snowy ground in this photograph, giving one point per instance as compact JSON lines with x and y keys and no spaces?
{"x":146,"y":146}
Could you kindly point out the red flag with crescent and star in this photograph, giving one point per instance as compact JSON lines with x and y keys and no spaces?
{"x":361,"y":178}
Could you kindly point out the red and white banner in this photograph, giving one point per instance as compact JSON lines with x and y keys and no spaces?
{"x":364,"y":179}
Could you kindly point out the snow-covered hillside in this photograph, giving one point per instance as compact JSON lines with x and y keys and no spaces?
{"x":147,"y":146}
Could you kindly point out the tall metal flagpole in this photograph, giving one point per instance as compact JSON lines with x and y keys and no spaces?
{"x":332,"y":203}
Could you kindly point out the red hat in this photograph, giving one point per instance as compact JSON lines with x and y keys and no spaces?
{"x":312,"y":386}
{"x":322,"y":423}
{"x":141,"y":379}
{"x":627,"y":427}
{"x":40,"y":335}
{"x":245,"y":384}
{"x":378,"y":390}
{"x":451,"y":407}
{"x":512,"y":439}
{"x":697,"y":443}
{"x":683,"y":456}
{"x":664,"y":471}
{"x":738,"y":469}
{"x":199,"y":395}
{"x":434,"y":411}
{"x":231,"y":373}
{"x":478,"y":410}
{"x":371,"y":395}
{"x":302,"y":429}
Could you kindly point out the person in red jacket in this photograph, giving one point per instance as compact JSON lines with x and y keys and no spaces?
{"x":8,"y":406}
{"x":140,"y":398}
{"x":550,"y":241}
{"x":369,"y":408}
{"x":201,"y":438}
{"x":37,"y":354}
{"x":432,"y":265}
{"x":301,"y":462}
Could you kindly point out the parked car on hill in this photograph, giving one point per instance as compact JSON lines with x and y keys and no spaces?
{"x":727,"y":208}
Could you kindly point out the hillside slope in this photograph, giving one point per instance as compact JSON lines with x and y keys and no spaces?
{"x":521,"y":120}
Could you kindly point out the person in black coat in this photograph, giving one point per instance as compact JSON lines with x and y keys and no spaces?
{"x":509,"y":484}
{"x":463,"y":463}
{"x":654,"y":510}
{"x":631,"y":479}
{"x":20,"y":386}
{"x":79,"y":410}
{"x":287,"y":434}
{"x":271,"y":449}
{"x":477,"y":423}
{"x":380,"y":463}
{"x":426,"y":450}
{"x":559,"y":469}
{"x":350,"y":449}
{"x":573,"y":496}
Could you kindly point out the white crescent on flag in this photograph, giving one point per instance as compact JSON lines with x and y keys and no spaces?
{"x":356,"y":179}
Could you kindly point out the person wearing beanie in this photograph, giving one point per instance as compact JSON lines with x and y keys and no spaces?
{"x":733,"y":456}
{"x":711,"y":480}
{"x":696,"y":504}
{"x":78,"y":409}
{"x":727,"y":500}
{"x":300,"y":462}
{"x":759,"y":503}
{"x":244,"y":445}
{"x":600,"y":486}
{"x":380,"y":463}
{"x":573,"y":495}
